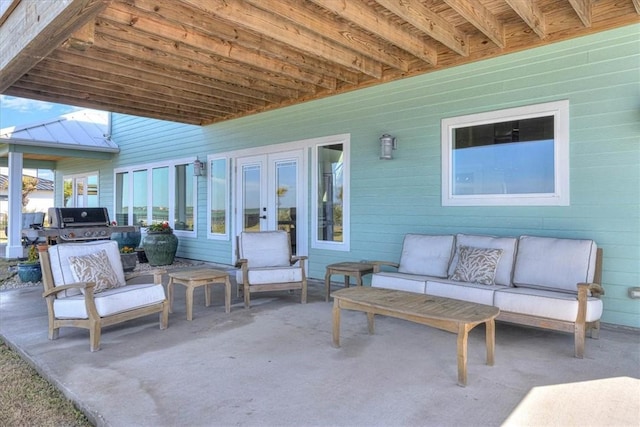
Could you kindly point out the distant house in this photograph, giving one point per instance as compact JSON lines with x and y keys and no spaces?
{"x":39,"y":200}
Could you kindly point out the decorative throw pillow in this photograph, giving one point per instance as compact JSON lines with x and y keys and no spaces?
{"x":477,"y":265}
{"x":96,"y":268}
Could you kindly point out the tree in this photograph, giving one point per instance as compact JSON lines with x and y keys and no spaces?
{"x":29,"y":185}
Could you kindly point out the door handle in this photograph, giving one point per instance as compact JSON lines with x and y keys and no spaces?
{"x":263,"y":217}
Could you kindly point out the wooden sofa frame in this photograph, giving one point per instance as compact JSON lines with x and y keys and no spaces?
{"x":94,"y":322}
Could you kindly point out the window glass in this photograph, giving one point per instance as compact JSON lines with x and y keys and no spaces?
{"x":517,"y":156}
{"x":219,"y":196}
{"x":184,"y":207}
{"x":330,"y":181}
{"x":140,"y":192}
{"x":122,"y":198}
{"x":160,"y":195}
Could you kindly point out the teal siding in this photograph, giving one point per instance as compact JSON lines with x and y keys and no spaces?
{"x":598,"y":74}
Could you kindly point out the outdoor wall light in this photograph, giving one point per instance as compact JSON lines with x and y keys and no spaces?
{"x":199,"y":168}
{"x":387,"y":145}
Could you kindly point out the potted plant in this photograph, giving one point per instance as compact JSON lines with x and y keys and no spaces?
{"x":129,"y":258}
{"x":29,"y":270}
{"x":160,"y":244}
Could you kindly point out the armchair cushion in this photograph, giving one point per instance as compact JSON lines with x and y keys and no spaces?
{"x":262,"y":275}
{"x":96,"y":268}
{"x":265,"y":249}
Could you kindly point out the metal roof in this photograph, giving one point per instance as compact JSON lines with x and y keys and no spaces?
{"x":87,"y":130}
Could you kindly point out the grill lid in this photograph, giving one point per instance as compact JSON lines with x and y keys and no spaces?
{"x":78,"y":217}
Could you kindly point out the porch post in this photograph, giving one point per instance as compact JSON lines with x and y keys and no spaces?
{"x":14,"y":237}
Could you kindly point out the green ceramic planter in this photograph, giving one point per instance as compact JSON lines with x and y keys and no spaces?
{"x":160,"y":248}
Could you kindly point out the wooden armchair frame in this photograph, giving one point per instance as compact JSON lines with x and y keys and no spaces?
{"x":93,"y":322}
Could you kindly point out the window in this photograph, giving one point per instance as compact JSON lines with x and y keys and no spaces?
{"x":331,"y":198}
{"x":81,"y":191}
{"x":218,"y":198}
{"x":152,"y":194}
{"x":518,"y":156}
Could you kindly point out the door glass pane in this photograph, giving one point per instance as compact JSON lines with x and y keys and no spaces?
{"x":218,"y":173}
{"x":92,"y":191}
{"x":80,"y":187}
{"x":140,"y":198}
{"x":286,"y":196}
{"x":184,"y":197}
{"x":160,"y":195}
{"x":251,"y":198}
{"x":68,"y":192}
{"x":330,"y":187}
{"x":122,"y":198}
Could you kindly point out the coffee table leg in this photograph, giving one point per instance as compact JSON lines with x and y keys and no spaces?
{"x":370,"y":317}
{"x":347,"y":281}
{"x":227,"y":295}
{"x":463,"y":334}
{"x":207,"y":295}
{"x":491,"y":341}
{"x":336,"y":322}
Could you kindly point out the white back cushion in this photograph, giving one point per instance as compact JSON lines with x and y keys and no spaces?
{"x":504,"y":272}
{"x":426,"y":254}
{"x":61,"y":266}
{"x":551,"y":263}
{"x":264,"y":248}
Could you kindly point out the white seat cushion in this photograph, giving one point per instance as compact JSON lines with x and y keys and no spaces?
{"x":426,"y":255}
{"x":555,"y":264}
{"x":111,"y":301}
{"x":543,"y":303}
{"x":400,"y":281}
{"x":263,"y":275}
{"x":509,"y":245}
{"x":472,"y":292}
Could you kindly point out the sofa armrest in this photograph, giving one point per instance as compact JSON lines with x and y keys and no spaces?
{"x":79,"y":286}
{"x":378,"y":264}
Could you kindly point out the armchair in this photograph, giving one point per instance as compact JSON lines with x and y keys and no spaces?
{"x":85,"y":287}
{"x":267,"y":265}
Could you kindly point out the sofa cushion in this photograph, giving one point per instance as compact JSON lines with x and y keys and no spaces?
{"x":95,"y":268}
{"x":61,"y":267}
{"x":476,"y":265}
{"x":426,"y":255}
{"x":399,"y":281}
{"x":472,"y":292}
{"x":555,"y":264}
{"x":545,"y":303}
{"x":111,"y":301}
{"x":504,"y":272}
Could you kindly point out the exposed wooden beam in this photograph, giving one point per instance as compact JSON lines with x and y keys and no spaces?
{"x":583,"y":10}
{"x":368,"y":19}
{"x":416,"y":14}
{"x":636,"y":5}
{"x":530,"y":14}
{"x":83,"y":38}
{"x":35,"y":29}
{"x":247,"y":16}
{"x":481,"y":18}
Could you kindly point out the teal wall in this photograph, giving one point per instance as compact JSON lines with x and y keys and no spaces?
{"x":599,"y":75}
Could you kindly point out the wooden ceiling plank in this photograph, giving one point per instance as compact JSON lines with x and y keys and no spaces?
{"x":416,"y":14}
{"x":366,"y":18}
{"x":481,"y":18}
{"x":82,"y":39}
{"x":247,"y":16}
{"x":211,"y":27}
{"x":183,"y":62}
{"x":131,"y":21}
{"x":531,"y":15}
{"x":340,"y":32}
{"x":636,"y":5}
{"x":583,"y":10}
{"x":34,"y":29}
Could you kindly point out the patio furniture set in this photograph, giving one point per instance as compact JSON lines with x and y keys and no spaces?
{"x":450,"y":282}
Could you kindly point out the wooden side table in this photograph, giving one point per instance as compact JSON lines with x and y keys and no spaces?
{"x":348,"y":270}
{"x":200,"y":277}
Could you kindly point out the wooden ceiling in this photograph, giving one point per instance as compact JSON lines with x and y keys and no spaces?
{"x":204,"y":61}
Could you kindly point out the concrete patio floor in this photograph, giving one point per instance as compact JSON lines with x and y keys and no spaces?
{"x":274,"y":365}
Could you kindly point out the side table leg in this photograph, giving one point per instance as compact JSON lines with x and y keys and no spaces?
{"x":207,"y":295}
{"x":227,"y":295}
{"x":370,"y":317}
{"x":170,"y":294}
{"x":463,"y":334}
{"x":189,"y":302}
{"x":491,"y":341}
{"x":327,"y":284}
{"x":336,"y":322}
{"x":347,"y":281}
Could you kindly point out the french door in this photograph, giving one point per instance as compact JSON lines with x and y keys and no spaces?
{"x":269,"y":195}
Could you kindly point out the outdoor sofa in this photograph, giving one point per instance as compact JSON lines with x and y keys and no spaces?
{"x":544,"y":282}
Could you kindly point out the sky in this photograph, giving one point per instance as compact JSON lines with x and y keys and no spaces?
{"x":21,"y":111}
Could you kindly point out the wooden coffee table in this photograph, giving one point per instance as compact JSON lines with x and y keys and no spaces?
{"x":348,"y":270}
{"x":199,"y":277}
{"x":447,"y":314}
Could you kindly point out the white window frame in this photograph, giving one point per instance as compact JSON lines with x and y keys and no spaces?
{"x":345,"y":245}
{"x":149,"y":167}
{"x":227,"y":201}
{"x":560,"y":197}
